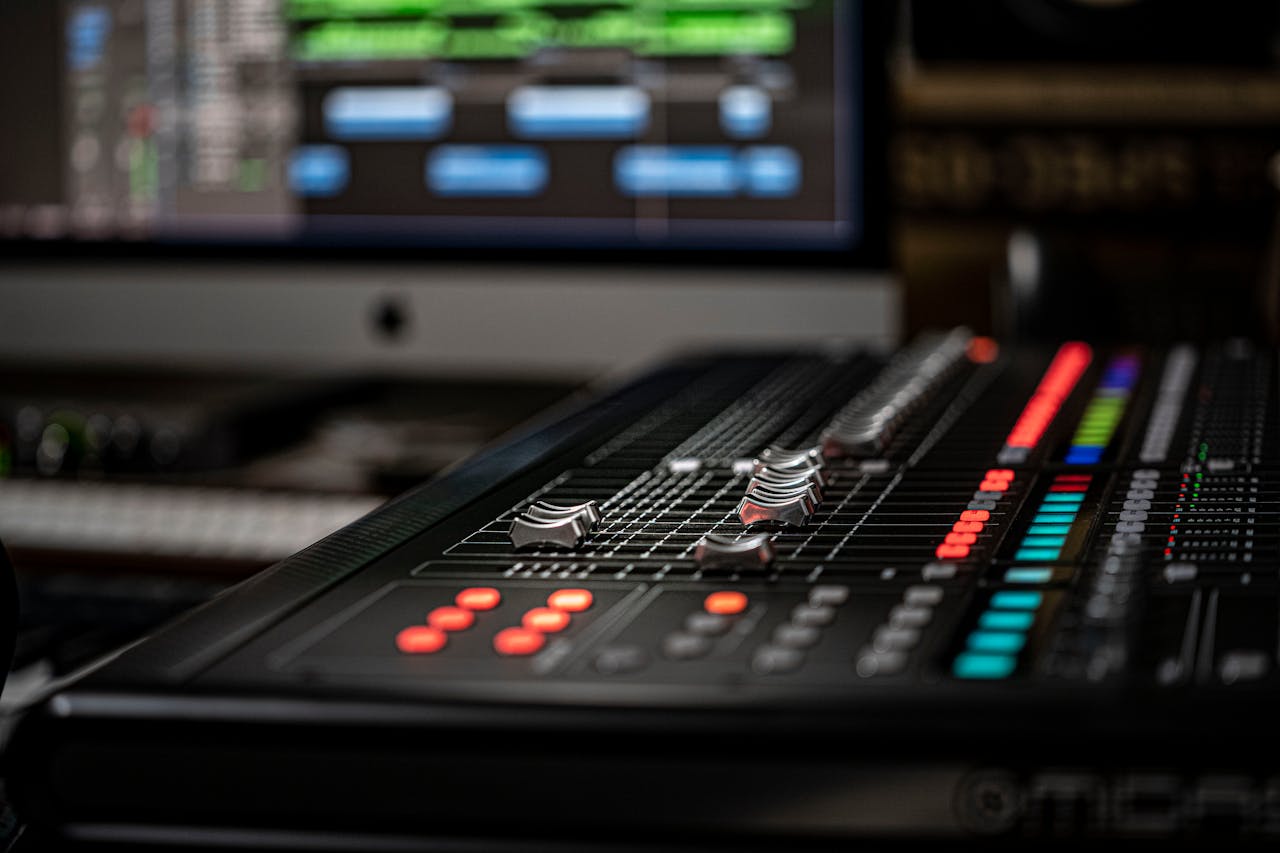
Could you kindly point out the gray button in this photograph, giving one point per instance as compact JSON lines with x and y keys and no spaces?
{"x":1137,"y":504}
{"x":1180,"y":572}
{"x":1013,"y":455}
{"x":617,"y":660}
{"x":872,"y":663}
{"x":922,"y":596}
{"x":987,"y":505}
{"x":1243,"y":665}
{"x":987,"y":496}
{"x":1140,"y":494}
{"x":890,"y":639}
{"x":769,"y":660}
{"x":874,"y":466}
{"x":1220,"y":466}
{"x":1150,"y":473}
{"x":1137,"y":483}
{"x":938,"y":571}
{"x":905,"y":616}
{"x":828,"y":595}
{"x":808,"y":614}
{"x":1133,"y":515}
{"x":1130,"y":527}
{"x":707,"y":624}
{"x":682,"y":646}
{"x":796,"y":636}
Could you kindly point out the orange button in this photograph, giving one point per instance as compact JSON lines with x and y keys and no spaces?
{"x":546,"y":620}
{"x":518,"y":641}
{"x":961,"y":538}
{"x":967,"y":527}
{"x":952,"y":552}
{"x":975,"y":515}
{"x":478,"y":598}
{"x":451,"y":618}
{"x":982,"y":350}
{"x":994,"y":485}
{"x":726,"y":603}
{"x":570,"y":600}
{"x":420,"y":640}
{"x":1000,"y":474}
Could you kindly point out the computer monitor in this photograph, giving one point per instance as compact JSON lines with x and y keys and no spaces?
{"x":332,"y":181}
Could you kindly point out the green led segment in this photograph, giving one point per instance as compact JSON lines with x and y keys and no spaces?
{"x":1105,"y":411}
{"x":370,"y":30}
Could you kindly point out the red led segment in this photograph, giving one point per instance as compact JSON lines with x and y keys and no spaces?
{"x":478,"y":598}
{"x":570,"y":600}
{"x":421,"y":640}
{"x":967,"y":527}
{"x":1005,"y":474}
{"x":451,"y":618}
{"x":994,"y":485}
{"x":545,"y":620}
{"x":518,"y":642}
{"x":1069,"y":487}
{"x":983,"y":350}
{"x":975,"y":515}
{"x":961,"y":538}
{"x":728,"y":603}
{"x":1055,"y":386}
{"x":952,"y":552}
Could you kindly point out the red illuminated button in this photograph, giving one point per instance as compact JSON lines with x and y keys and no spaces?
{"x":726,"y":603}
{"x":478,"y":598}
{"x":967,"y":527}
{"x":421,"y":640}
{"x":570,"y":600}
{"x":1000,"y":474}
{"x":1069,"y":487}
{"x":975,"y":515}
{"x":994,"y":485}
{"x":518,"y":641}
{"x":952,"y":552}
{"x":451,"y":618}
{"x":545,"y":620}
{"x":961,"y":538}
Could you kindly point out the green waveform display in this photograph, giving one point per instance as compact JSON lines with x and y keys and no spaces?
{"x":354,"y":30}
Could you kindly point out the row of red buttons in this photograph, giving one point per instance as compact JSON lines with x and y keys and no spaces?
{"x":964,"y":533}
{"x":526,"y":639}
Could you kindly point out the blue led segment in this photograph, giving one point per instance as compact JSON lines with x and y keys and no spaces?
{"x":578,"y":112}
{"x":487,"y":171}
{"x":87,"y":32}
{"x":746,"y":112}
{"x":771,"y":172}
{"x":319,"y":171}
{"x":708,"y":171}
{"x":387,"y":112}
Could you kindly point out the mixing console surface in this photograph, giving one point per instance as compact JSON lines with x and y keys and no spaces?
{"x":1016,"y":578}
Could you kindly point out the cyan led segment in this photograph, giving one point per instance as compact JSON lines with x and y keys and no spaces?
{"x":771,"y":171}
{"x":87,"y":32}
{"x":983,"y":666}
{"x":1028,"y":575}
{"x":997,"y":642}
{"x":1007,"y":620}
{"x":487,"y":171}
{"x":1063,"y":499}
{"x":319,"y":171}
{"x":578,"y":112}
{"x":388,"y":112}
{"x":746,"y":112}
{"x":708,"y":171}
{"x":1014,"y":600}
{"x":1037,"y":555}
{"x":1049,"y":529}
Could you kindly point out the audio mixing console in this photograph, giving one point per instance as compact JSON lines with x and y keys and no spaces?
{"x":962,"y":590}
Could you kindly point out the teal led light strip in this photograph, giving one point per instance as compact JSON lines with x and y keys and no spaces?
{"x":1045,"y":538}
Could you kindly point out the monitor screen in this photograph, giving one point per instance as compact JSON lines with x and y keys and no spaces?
{"x":638,"y":124}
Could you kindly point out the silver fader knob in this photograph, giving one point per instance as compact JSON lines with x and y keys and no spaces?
{"x":812,"y":496}
{"x":566,"y":532}
{"x":544,"y":511}
{"x":783,"y":484}
{"x":725,"y":552}
{"x":793,"y":511}
{"x":783,"y":458}
{"x":768,"y":475}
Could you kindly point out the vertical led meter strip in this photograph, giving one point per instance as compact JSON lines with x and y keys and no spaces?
{"x":1044,"y":539}
{"x":1068,"y":365}
{"x":1105,"y":410}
